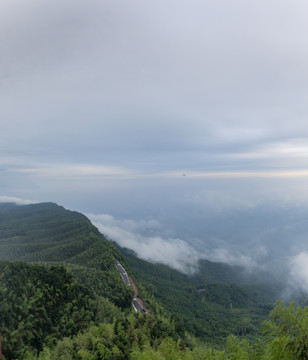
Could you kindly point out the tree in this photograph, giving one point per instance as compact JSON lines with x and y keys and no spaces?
{"x":236,"y":349}
{"x":287,"y":332}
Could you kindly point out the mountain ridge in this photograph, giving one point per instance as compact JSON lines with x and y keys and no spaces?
{"x":48,"y":233}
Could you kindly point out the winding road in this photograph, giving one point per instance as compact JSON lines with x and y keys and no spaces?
{"x":137,"y":301}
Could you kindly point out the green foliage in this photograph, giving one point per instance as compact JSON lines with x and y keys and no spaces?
{"x":38,"y":305}
{"x":48,"y":233}
{"x":104,"y":283}
{"x":211,"y":311}
{"x":74,"y":304}
{"x":133,"y":336}
{"x":236,"y":349}
{"x":287,"y":332}
{"x":46,"y":315}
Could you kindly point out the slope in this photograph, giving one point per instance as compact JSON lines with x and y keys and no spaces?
{"x":210,"y":304}
{"x":47,"y":232}
{"x":207,"y":305}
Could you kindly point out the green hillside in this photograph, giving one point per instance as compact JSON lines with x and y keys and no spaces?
{"x":61,"y":297}
{"x":47,"y":232}
{"x":207,"y":305}
{"x":40,"y":305}
{"x":44,"y":310}
{"x":46,"y":315}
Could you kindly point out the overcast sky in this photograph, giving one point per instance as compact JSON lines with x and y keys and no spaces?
{"x":105,"y":105}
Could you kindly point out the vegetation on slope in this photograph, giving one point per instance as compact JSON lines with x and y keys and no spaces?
{"x":47,"y":232}
{"x":75,"y":310}
{"x":208,"y":308}
{"x":139,"y":337}
{"x":39,"y":305}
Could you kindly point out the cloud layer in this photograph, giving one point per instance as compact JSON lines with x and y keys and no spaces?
{"x":262,"y":240}
{"x":130,"y":234}
{"x":142,"y":237}
{"x":114,"y":90}
{"x":105,"y":105}
{"x":265,"y":242}
{"x":16,"y":200}
{"x":299,"y":272}
{"x":198,"y":85}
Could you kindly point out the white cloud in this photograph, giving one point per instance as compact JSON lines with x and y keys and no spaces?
{"x":70,"y":171}
{"x":16,"y":200}
{"x":127,"y":233}
{"x":237,"y":258}
{"x":174,"y":252}
{"x":299,"y":271}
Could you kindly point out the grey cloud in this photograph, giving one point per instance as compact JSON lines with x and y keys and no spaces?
{"x":100,"y":70}
{"x":115,"y":100}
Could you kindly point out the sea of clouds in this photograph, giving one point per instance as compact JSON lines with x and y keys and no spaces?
{"x":269,"y":240}
{"x":270,"y":243}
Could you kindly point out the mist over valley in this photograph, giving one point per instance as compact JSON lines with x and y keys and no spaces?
{"x":174,"y":138}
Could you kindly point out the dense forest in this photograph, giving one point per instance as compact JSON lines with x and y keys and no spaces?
{"x":61,"y":297}
{"x":209,"y":307}
{"x":47,"y":233}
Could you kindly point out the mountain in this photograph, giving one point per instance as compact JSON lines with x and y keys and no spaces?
{"x":210,"y":305}
{"x":46,"y":232}
{"x":39,"y":305}
{"x":58,"y":277}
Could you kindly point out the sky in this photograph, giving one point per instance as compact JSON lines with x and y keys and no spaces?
{"x":160,"y":119}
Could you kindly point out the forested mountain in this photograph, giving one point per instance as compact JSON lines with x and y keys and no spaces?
{"x":210,"y":307}
{"x":39,"y":305}
{"x":47,"y":232}
{"x":61,"y":297}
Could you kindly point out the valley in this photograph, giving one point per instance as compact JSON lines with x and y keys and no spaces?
{"x":212,"y":313}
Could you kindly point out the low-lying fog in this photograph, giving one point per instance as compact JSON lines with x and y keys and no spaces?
{"x":266,"y":236}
